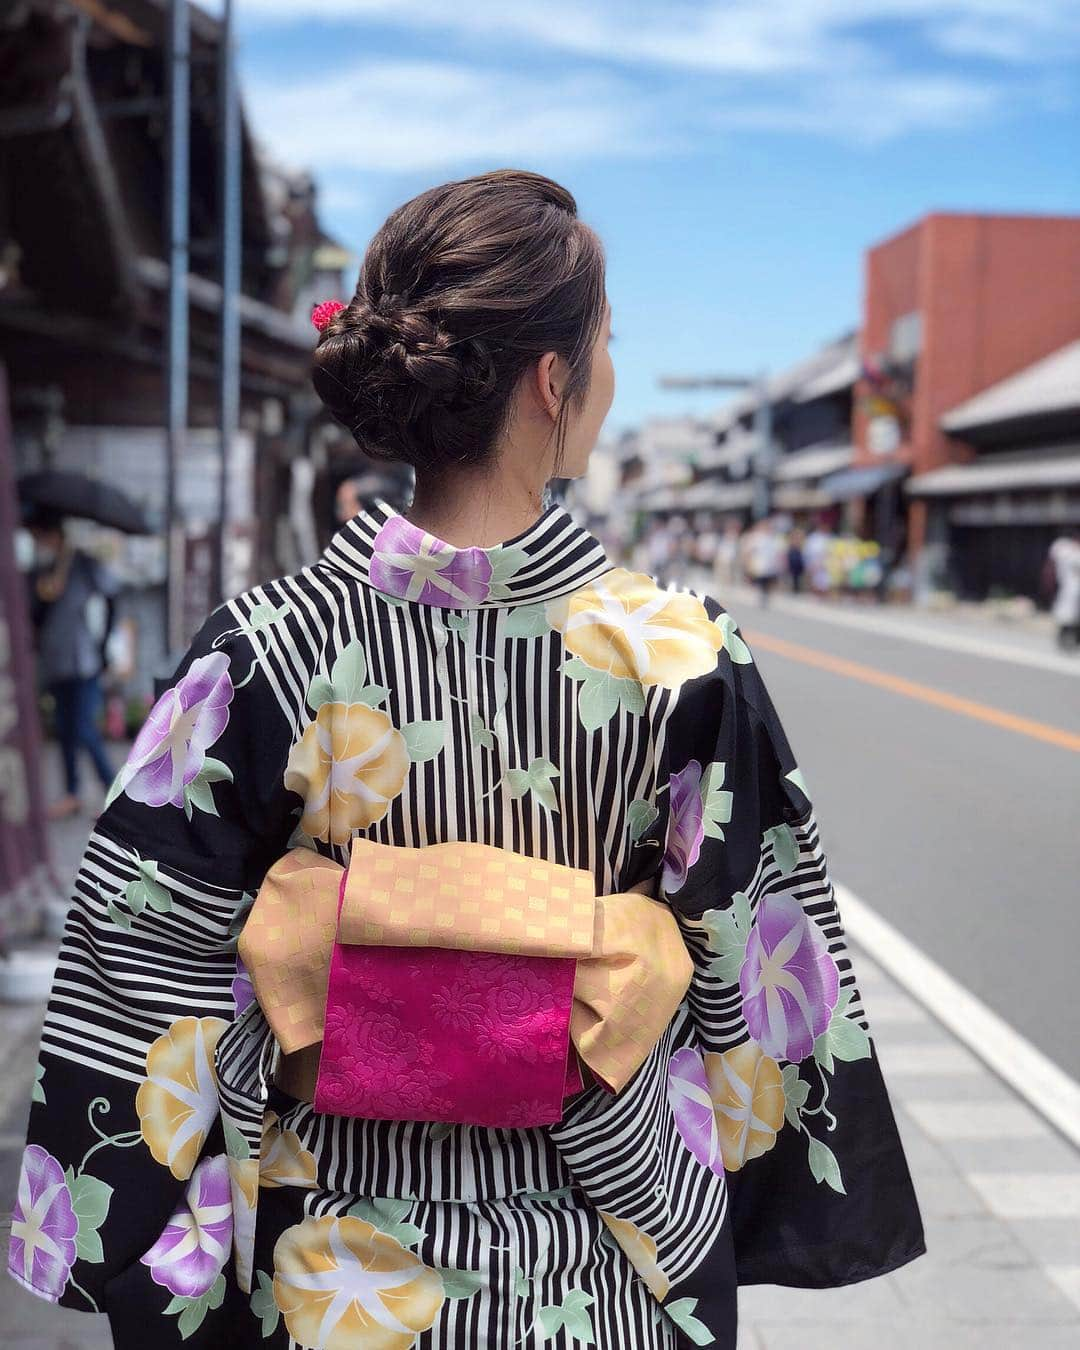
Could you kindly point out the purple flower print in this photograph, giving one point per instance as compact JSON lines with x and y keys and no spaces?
{"x":170,"y":750}
{"x":686,"y":826}
{"x":692,"y":1106}
{"x":43,"y":1225}
{"x":243,"y":991}
{"x":789,"y":982}
{"x":190,"y":1254}
{"x":410,"y":563}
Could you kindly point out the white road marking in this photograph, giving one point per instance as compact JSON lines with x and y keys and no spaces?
{"x":1031,"y":1074}
{"x":954,"y":1121}
{"x":1029,"y":1195}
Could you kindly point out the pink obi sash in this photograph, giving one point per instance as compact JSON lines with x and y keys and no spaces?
{"x":457,"y":982}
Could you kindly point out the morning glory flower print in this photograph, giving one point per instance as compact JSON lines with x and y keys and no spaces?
{"x":169,"y":753}
{"x":693,"y":1108}
{"x":686,"y":826}
{"x":414,"y":565}
{"x":789,"y":981}
{"x":190,"y":1254}
{"x":243,"y":991}
{"x":43,"y":1224}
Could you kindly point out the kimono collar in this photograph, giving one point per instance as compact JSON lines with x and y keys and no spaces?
{"x":552,"y":556}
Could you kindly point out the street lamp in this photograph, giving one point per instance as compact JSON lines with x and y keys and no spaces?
{"x":764,"y":454}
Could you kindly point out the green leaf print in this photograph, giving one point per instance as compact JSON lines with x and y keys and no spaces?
{"x":461,"y":1283}
{"x":823,"y":1165}
{"x":38,"y":1093}
{"x":846,"y":1039}
{"x":118,"y":915}
{"x":236,"y":1146}
{"x":570,"y":1313}
{"x":640,"y":815}
{"x":423,"y":740}
{"x":681,"y":1313}
{"x":526,"y":621}
{"x":521,"y":1284}
{"x":264,"y":614}
{"x":90,"y":1198}
{"x":193,"y":1310}
{"x":198,"y":794}
{"x":458,"y":623}
{"x":784,"y":845}
{"x":320,"y":691}
{"x":386,"y":1214}
{"x":796,"y":1091}
{"x":348,"y":674}
{"x":631,"y":696}
{"x":215,"y":771}
{"x":263,"y":1305}
{"x":735,"y":647}
{"x":90,"y":1204}
{"x":796,"y":776}
{"x":505,"y":561}
{"x":715,"y":803}
{"x":598,"y":702}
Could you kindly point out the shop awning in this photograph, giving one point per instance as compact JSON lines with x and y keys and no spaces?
{"x":799,"y":497}
{"x":861,"y":482}
{"x":813,"y":463}
{"x":1001,"y":473}
{"x":1051,"y":385}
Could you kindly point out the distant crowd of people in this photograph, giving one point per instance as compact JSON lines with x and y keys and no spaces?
{"x":774,"y":553}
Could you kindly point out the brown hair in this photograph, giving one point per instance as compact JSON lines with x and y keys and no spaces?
{"x":460,"y":291}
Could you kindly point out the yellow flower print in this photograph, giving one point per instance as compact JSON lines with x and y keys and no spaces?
{"x":177,"y":1102}
{"x":343,"y":1285}
{"x":284,"y":1160}
{"x":243,"y":1191}
{"x":348,"y":766}
{"x":747,"y":1089}
{"x":641,"y":1249}
{"x":625,"y":625}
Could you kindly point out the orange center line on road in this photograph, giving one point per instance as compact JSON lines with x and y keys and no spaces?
{"x":855,"y":670}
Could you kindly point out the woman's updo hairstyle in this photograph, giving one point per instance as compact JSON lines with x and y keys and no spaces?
{"x":460,"y":291}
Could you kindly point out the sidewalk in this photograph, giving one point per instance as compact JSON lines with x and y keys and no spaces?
{"x":999,"y":1191}
{"x":988,"y":629}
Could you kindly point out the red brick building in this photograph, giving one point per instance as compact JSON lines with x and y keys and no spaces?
{"x":951,"y":306}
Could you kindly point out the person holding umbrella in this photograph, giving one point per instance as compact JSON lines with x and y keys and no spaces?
{"x":72,"y":607}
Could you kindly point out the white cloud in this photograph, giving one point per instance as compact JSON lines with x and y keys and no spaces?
{"x":746,"y":36}
{"x":405,"y":116}
{"x":616,"y":78}
{"x":866,"y":111}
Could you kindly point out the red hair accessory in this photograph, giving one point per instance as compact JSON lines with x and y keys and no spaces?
{"x":323,"y":312}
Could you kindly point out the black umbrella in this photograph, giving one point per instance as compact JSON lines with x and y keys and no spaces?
{"x":65,"y":493}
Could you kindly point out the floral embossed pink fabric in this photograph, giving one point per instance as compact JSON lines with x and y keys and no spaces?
{"x":433,"y":1033}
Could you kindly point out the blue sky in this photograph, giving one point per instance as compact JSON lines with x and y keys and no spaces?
{"x":736,"y":158}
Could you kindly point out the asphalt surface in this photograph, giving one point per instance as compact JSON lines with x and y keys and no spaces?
{"x":962,"y":833}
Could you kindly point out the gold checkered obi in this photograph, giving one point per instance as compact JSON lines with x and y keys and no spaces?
{"x":632,"y":965}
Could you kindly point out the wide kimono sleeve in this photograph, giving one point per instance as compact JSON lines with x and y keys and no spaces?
{"x":124,"y":1160}
{"x":820,"y":1190}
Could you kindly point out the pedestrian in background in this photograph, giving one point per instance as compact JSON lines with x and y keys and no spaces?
{"x":765,"y":556}
{"x":72,"y":607}
{"x":726,"y":558}
{"x":1064,"y":557}
{"x":796,"y":563}
{"x":815,"y":551}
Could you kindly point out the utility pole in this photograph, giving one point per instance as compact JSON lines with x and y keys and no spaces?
{"x":229,"y":244}
{"x":178,"y":67}
{"x":764,"y":453}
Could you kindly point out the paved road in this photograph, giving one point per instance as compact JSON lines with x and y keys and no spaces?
{"x":961,"y":832}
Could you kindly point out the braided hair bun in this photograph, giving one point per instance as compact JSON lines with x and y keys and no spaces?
{"x":461,"y":289}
